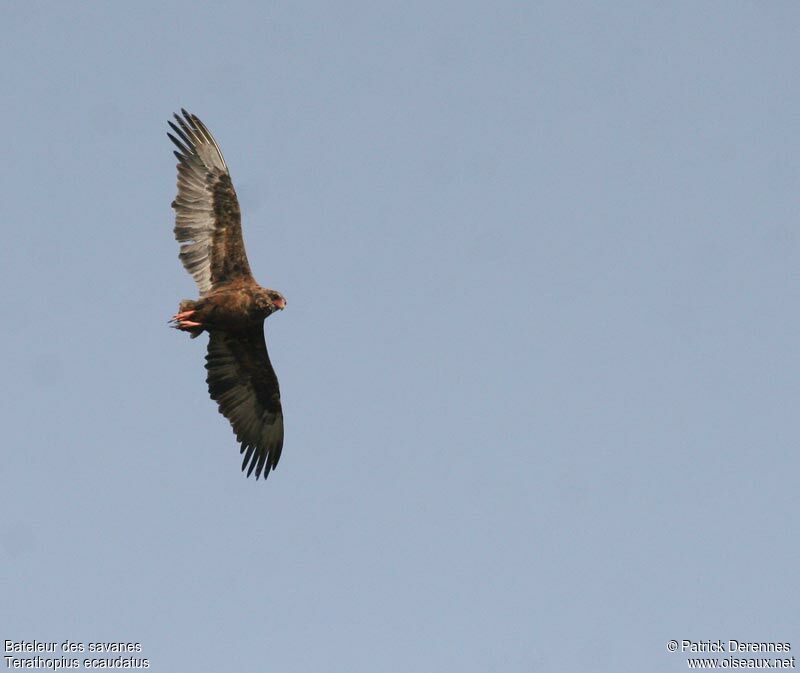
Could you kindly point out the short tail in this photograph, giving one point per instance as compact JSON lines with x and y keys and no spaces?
{"x":186,"y":305}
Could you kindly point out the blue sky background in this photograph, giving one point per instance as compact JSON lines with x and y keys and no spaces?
{"x":539,"y":362}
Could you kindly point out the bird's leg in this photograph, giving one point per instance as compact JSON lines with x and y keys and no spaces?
{"x":192,"y":326}
{"x":179,"y":321}
{"x":189,"y":317}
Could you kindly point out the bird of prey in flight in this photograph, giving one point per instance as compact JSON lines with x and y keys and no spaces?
{"x":232,"y":307}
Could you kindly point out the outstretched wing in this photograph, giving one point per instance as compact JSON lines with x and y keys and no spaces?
{"x":242,"y":382}
{"x":208,"y":224}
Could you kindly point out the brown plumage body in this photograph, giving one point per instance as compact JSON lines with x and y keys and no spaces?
{"x":232,"y":307}
{"x":235,"y":305}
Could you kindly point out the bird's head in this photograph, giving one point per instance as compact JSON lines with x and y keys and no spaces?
{"x":276,"y":300}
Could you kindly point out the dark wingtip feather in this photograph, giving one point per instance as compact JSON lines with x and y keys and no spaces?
{"x":256,"y":461}
{"x":183,"y":119}
{"x":178,"y":144}
{"x":249,"y":458}
{"x":182,"y":133}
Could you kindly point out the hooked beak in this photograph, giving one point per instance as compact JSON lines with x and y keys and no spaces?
{"x":280,"y":303}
